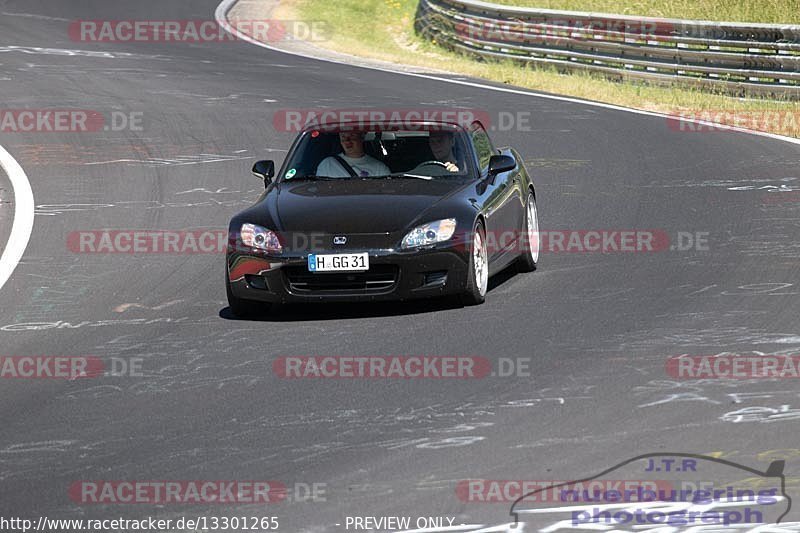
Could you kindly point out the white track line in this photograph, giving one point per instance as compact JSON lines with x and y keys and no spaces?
{"x":23,"y":216}
{"x":226,"y":5}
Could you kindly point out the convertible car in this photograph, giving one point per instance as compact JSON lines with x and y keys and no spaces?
{"x":368,"y":213}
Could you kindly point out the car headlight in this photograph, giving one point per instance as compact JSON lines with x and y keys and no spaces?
{"x":260,"y":238}
{"x":430,"y":233}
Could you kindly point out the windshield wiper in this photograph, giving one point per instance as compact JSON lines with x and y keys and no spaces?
{"x":406,"y":175}
{"x":311,"y":177}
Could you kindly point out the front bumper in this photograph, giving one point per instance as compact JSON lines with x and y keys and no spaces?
{"x":393,"y":275}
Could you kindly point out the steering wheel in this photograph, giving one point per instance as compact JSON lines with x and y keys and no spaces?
{"x":432,"y":162}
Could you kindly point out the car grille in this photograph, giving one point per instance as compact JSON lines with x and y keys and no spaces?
{"x":378,"y":279}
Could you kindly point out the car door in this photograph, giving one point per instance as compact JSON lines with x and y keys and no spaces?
{"x":502,"y":203}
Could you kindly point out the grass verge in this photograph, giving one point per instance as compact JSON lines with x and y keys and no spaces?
{"x":766,"y":11}
{"x":383,"y":29}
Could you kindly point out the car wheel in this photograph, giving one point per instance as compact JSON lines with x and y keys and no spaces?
{"x":241,"y":308}
{"x":529,"y":257}
{"x":478,"y":275}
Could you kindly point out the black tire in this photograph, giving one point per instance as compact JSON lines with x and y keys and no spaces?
{"x":526,"y":262}
{"x":472,"y":294}
{"x":241,"y":308}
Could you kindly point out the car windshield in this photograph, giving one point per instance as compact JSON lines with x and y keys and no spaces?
{"x":428,"y":153}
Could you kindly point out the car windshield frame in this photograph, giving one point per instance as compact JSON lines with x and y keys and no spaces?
{"x":300,"y":144}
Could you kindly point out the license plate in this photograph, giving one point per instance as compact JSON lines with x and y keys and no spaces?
{"x":338,"y":262}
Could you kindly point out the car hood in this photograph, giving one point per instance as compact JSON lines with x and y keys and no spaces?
{"x":357,"y":205}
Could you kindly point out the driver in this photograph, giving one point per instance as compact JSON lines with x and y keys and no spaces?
{"x":441,"y":143}
{"x":364,"y":165}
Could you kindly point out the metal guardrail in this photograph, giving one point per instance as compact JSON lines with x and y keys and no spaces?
{"x":739,"y":58}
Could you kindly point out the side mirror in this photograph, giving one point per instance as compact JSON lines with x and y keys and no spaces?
{"x":264,"y":170}
{"x":501,"y":163}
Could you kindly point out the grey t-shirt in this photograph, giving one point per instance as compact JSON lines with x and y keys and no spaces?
{"x":364,"y":166}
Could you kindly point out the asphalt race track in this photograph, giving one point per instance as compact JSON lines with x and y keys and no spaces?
{"x":596,"y":328}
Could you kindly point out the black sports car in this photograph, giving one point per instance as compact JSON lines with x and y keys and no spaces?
{"x":370,"y":212}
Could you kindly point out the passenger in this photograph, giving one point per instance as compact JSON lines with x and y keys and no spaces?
{"x":362,"y":164}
